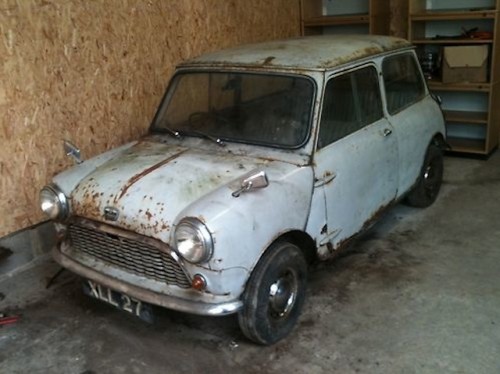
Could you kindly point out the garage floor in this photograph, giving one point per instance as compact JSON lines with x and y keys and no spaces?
{"x":419,"y":293}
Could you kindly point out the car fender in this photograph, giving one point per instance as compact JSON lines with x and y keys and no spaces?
{"x":243,"y":227}
{"x":69,"y":179}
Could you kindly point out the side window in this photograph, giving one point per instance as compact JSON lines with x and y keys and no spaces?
{"x":351,"y":102}
{"x":403,"y":82}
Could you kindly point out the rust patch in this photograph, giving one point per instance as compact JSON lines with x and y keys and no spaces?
{"x":345,"y":243}
{"x":143,"y":173}
{"x":362,"y":53}
{"x":89,"y":206}
{"x":268,"y":60}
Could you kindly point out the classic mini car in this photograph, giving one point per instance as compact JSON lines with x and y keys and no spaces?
{"x":259,"y":160}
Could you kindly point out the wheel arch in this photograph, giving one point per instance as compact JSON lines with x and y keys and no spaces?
{"x":305,"y":243}
{"x":297,"y":237}
{"x":439,"y":140}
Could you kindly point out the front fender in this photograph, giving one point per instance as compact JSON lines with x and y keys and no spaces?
{"x":245,"y":226}
{"x":69,"y":179}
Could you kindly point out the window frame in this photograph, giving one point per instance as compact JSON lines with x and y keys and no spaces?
{"x":337,"y":74}
{"x":170,"y":89}
{"x":410,"y":53}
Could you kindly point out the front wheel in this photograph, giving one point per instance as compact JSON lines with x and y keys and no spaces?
{"x":429,"y":182}
{"x":274,"y":294}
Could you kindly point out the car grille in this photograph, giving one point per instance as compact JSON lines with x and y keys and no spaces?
{"x":127,"y":254}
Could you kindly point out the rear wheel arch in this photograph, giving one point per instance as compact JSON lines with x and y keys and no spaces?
{"x":439,"y":141}
{"x":426,"y":188}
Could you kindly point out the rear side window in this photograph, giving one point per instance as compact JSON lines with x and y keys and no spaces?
{"x":403,"y":82}
{"x":351,"y":102}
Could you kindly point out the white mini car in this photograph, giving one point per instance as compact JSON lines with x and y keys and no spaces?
{"x":259,"y":160}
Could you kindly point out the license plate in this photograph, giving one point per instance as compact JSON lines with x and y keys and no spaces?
{"x":119,"y":300}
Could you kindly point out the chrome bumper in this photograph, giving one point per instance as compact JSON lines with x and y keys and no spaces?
{"x":166,"y":301}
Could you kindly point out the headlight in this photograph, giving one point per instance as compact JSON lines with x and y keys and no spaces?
{"x":53,"y":202}
{"x":193,"y":241}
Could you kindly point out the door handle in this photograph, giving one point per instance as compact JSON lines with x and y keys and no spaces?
{"x":387,"y":132}
{"x":325,"y":179}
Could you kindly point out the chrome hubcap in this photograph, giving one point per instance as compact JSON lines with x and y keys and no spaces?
{"x":283,"y":293}
{"x":430,"y":179}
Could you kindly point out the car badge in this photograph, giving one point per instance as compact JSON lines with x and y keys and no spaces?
{"x":110,"y":213}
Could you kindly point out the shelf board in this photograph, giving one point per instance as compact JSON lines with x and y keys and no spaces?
{"x":463,"y":145}
{"x":348,"y":19}
{"x":459,"y":87}
{"x":452,"y":41}
{"x":445,"y":15}
{"x":479,"y":118}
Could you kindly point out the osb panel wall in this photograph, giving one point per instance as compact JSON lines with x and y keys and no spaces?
{"x":94,"y":71}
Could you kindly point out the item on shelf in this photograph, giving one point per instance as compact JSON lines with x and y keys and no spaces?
{"x":467,"y":34}
{"x":430,"y":64}
{"x":466,"y":63}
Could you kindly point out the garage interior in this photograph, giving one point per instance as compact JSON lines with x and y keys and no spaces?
{"x":418,"y":293}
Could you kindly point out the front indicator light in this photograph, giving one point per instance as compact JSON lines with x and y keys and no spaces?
{"x":199,"y":283}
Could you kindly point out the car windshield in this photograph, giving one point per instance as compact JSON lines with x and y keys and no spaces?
{"x":262,"y":109}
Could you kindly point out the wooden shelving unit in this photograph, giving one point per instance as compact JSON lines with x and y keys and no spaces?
{"x":480,"y":118}
{"x":470,"y":109}
{"x":355,"y":16}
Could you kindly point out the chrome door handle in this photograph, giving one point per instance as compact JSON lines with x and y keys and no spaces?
{"x":387,"y":132}
{"x":327,"y":178}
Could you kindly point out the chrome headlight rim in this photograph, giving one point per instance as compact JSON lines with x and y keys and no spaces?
{"x":62,"y":201}
{"x":201,"y":232}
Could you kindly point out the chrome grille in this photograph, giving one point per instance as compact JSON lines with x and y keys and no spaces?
{"x":127,"y":254}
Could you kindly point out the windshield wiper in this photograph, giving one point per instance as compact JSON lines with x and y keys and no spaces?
{"x":167,"y":129}
{"x":174,"y":133}
{"x":216,"y":140}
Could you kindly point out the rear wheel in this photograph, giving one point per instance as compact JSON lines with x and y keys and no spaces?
{"x":274,"y":294}
{"x":429,"y":182}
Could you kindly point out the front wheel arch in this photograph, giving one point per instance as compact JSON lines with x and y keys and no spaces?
{"x":274,"y":294}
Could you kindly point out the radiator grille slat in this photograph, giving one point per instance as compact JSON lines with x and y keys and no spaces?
{"x":130,"y":255}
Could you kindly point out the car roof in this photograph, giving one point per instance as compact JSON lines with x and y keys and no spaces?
{"x":322,"y":52}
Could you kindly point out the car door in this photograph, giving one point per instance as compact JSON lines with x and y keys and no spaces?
{"x":356,"y":161}
{"x":411,"y":113}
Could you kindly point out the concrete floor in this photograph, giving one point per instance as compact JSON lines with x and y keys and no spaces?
{"x":419,"y":293}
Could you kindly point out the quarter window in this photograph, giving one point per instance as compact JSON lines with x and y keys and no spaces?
{"x":403,"y":82}
{"x":351,"y":102}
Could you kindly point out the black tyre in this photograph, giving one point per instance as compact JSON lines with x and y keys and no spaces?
{"x":274,"y":294}
{"x":429,"y":182}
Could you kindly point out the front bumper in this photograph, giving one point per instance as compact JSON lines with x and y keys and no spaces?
{"x":166,"y":301}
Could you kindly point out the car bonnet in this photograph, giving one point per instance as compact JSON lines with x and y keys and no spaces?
{"x":146,"y":187}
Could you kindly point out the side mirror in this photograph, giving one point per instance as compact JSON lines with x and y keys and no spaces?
{"x":72,"y":150}
{"x":257,"y":180}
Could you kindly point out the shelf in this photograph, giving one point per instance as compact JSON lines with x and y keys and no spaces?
{"x":463,"y":145}
{"x":453,"y":15}
{"x":347,"y":17}
{"x":461,"y":87}
{"x":479,"y":118}
{"x":474,"y":128}
{"x":351,"y":19}
{"x":452,"y":41}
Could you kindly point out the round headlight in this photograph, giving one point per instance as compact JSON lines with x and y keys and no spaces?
{"x":53,"y":202}
{"x":193,"y":241}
